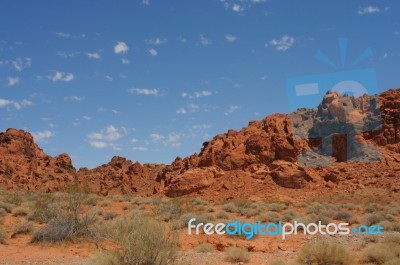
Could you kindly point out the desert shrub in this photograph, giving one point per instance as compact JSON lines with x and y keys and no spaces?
{"x":105,"y":258}
{"x":44,"y":209}
{"x":236,"y":254}
{"x":157,"y":201}
{"x":222,"y":215}
{"x":272,"y":217}
{"x":323,"y":253}
{"x":277,"y":207}
{"x":23,"y":228}
{"x":70,"y":222}
{"x":3,"y":236}
{"x":229,"y":207}
{"x":143,"y":241}
{"x":185,"y":218}
{"x":20,"y":211}
{"x":395,"y":261}
{"x":14,"y":198}
{"x":392,"y":238}
{"x":2,"y":212}
{"x":373,"y":218}
{"x":92,"y":201}
{"x":319,"y":218}
{"x":198,"y":201}
{"x":372,"y":207}
{"x":6,"y":206}
{"x":315,"y":208}
{"x":170,"y":210}
{"x":381,"y":253}
{"x":390,"y":226}
{"x":344,"y":216}
{"x":289,"y":215}
{"x":105,"y":203}
{"x":278,"y":262}
{"x":205,"y":248}
{"x":354,"y":220}
{"x":110,"y":215}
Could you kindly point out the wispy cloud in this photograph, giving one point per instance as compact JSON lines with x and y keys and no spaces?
{"x":230,"y":37}
{"x":21,"y":63}
{"x":61,"y":76}
{"x":156,"y":41}
{"x":12,"y":81}
{"x":181,"y":111}
{"x":74,"y":98}
{"x":237,"y":8}
{"x":172,"y":139}
{"x":282,"y":44}
{"x":140,"y":148}
{"x":231,"y":109}
{"x":205,"y":41}
{"x":146,"y":2}
{"x":16,"y":104}
{"x":62,"y":34}
{"x":105,"y":138}
{"x":144,"y":91}
{"x":125,"y":61}
{"x":42,"y":136}
{"x":368,"y":10}
{"x":121,"y":47}
{"x":240,"y":5}
{"x":153,"y":52}
{"x":93,"y":55}
{"x":197,"y":94}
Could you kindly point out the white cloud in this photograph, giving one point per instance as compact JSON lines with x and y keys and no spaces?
{"x":12,"y":81}
{"x":88,"y":118}
{"x":105,"y":138}
{"x":156,"y":137}
{"x":125,"y":61}
{"x":67,"y":54}
{"x":282,"y":44}
{"x":230,"y":37}
{"x":181,"y":111}
{"x":61,"y":76}
{"x":140,"y":148}
{"x":231,"y":109}
{"x":197,"y":94}
{"x":121,"y":47}
{"x":21,"y":64}
{"x":109,"y":78}
{"x":156,"y":41}
{"x":181,"y":39}
{"x":16,"y":104}
{"x":62,"y":34}
{"x":237,"y":8}
{"x":368,"y":10}
{"x":205,"y":41}
{"x":153,"y":52}
{"x":146,"y":2}
{"x":74,"y":98}
{"x":144,"y":91}
{"x":93,"y":55}
{"x":42,"y":136}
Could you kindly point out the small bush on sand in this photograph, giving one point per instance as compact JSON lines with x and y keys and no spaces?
{"x":323,"y":253}
{"x":6,"y":206}
{"x":22,"y":228}
{"x":142,"y":241}
{"x":205,"y":248}
{"x":381,"y":253}
{"x":236,"y":254}
{"x":110,"y":215}
{"x":20,"y":211}
{"x":70,"y":222}
{"x":44,"y":209}
{"x":2,"y":212}
{"x":222,"y":215}
{"x":105,"y":258}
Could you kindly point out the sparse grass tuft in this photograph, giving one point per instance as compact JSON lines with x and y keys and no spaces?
{"x":236,"y":254}
{"x":205,"y":248}
{"x":323,"y":253}
{"x":25,"y":227}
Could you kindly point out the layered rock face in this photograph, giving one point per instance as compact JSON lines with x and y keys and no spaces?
{"x":261,"y":160}
{"x":23,"y":165}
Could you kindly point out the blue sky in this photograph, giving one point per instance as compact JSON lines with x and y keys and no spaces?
{"x":154,"y":79}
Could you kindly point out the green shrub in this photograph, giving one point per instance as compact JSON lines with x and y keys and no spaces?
{"x":272,"y":217}
{"x":229,"y":207}
{"x":105,"y":258}
{"x":205,"y":248}
{"x":323,"y":253}
{"x":44,"y":209}
{"x":236,"y":254}
{"x":344,"y":216}
{"x":277,"y":207}
{"x":373,"y":218}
